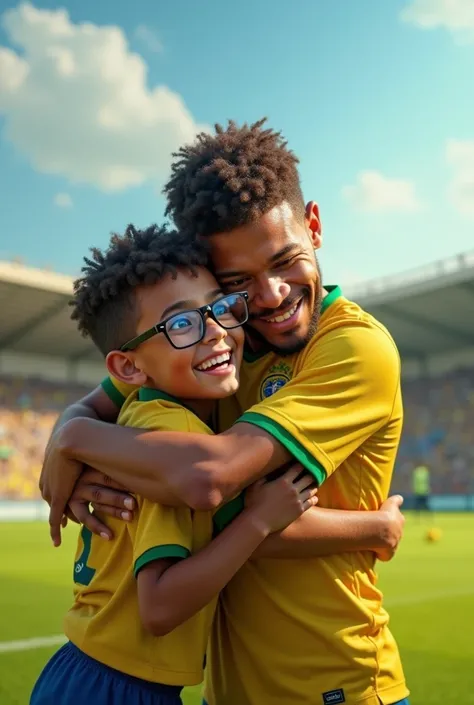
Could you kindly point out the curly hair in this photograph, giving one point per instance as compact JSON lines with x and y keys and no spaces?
{"x":231,"y":178}
{"x":104,"y":304}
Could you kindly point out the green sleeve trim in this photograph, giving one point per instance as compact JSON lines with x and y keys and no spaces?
{"x":112,"y":392}
{"x":228,"y":512}
{"x":297,"y":450}
{"x":171,"y":550}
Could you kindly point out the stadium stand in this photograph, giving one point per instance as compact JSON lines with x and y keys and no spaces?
{"x":45,"y":364}
{"x":28,"y":410}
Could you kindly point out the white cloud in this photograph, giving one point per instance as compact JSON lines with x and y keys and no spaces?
{"x":63,"y":200}
{"x":76,"y":101}
{"x":375,"y":193}
{"x":460,"y":157}
{"x":149,"y":38}
{"x":457,"y":16}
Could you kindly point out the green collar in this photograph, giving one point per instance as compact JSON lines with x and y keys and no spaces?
{"x":147,"y":394}
{"x":334,"y":292}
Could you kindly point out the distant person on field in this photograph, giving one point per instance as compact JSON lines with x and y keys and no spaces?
{"x":421,"y":488}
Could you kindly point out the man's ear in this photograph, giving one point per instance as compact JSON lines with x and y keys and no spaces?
{"x":313,"y":223}
{"x":121,"y":365}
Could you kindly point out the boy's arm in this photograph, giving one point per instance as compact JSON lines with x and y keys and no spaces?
{"x":171,"y":592}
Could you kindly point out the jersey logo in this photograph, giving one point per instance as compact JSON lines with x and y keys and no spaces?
{"x":334,"y":697}
{"x":278,"y":376}
{"x":83,"y":573}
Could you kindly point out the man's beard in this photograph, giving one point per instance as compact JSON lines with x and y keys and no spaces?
{"x":258,"y":342}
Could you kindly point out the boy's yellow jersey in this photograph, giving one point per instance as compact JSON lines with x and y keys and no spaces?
{"x":104,"y":621}
{"x":301,"y":632}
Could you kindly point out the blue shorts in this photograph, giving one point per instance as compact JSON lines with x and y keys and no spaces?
{"x":73,"y":678}
{"x":400,"y":702}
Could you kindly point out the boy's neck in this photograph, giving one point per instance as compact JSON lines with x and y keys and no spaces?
{"x":203,"y":408}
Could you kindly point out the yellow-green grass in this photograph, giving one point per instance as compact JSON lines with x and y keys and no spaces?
{"x":429,"y":590}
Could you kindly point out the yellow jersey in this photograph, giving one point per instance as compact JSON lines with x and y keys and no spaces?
{"x":104,"y":621}
{"x":300,"y":632}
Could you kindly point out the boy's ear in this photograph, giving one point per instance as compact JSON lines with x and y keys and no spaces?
{"x":121,"y":365}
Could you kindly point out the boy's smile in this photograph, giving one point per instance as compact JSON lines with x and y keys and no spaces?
{"x":207,"y":370}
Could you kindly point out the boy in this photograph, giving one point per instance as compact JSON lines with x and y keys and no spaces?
{"x":144,"y":603}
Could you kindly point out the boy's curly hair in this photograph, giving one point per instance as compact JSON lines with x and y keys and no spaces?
{"x":230,"y":178}
{"x":104,"y":304}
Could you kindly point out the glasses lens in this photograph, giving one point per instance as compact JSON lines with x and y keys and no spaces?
{"x":231,"y":311}
{"x":185,"y":329}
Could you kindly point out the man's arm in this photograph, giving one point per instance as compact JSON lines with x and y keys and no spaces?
{"x":318,"y":419}
{"x":320,"y":532}
{"x":323,"y":532}
{"x":203,"y":474}
{"x":206,"y":470}
{"x":95,"y":405}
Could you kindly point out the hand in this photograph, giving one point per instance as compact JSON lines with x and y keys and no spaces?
{"x":392,"y":531}
{"x":106,"y":496}
{"x":277,"y":503}
{"x":58,"y":477}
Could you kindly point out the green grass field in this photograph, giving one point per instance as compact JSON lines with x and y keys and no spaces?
{"x":429,"y":591}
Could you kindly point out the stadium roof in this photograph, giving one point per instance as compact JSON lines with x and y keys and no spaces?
{"x":35,"y":314}
{"x":429,"y":310}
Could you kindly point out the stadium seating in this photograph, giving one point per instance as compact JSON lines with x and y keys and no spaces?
{"x":439,"y":428}
{"x":28,"y":410}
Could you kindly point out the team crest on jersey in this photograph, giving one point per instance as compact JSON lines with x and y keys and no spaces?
{"x":277,"y":377}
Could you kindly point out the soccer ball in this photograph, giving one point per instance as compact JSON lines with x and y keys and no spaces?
{"x":433,"y":535}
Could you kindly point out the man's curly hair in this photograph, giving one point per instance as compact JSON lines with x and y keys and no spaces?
{"x":104,"y":304}
{"x":231,"y":178}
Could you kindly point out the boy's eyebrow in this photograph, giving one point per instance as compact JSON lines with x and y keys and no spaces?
{"x":288,"y":249}
{"x":189,"y":303}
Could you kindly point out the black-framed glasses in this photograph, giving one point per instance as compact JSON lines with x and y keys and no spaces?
{"x":188,"y":328}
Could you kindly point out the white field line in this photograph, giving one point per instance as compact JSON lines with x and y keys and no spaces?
{"x":28,"y":644}
{"x":428,"y":597}
{"x":58,"y":639}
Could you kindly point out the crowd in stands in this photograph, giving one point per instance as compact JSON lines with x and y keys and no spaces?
{"x":28,"y":411}
{"x":438,"y":431}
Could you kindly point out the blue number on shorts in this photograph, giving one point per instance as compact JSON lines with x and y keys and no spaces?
{"x":83,"y":574}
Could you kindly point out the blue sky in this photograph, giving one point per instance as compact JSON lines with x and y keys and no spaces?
{"x":374,"y":97}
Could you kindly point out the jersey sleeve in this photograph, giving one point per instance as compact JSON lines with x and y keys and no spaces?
{"x":161,"y":532}
{"x":117,"y":391}
{"x":345,"y":391}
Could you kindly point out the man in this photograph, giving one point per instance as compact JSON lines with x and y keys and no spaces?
{"x":320,"y":385}
{"x":421,"y":488}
